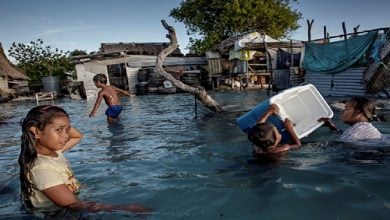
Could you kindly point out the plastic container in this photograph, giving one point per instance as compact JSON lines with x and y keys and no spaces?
{"x":248,"y":120}
{"x":303,"y":105}
{"x":51,"y":84}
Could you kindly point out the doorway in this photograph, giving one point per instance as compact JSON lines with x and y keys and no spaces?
{"x":117,"y":76}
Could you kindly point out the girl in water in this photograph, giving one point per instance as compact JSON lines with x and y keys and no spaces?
{"x":47,"y":181}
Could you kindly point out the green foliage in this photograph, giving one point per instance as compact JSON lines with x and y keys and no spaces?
{"x":37,"y":60}
{"x":215,"y":20}
{"x":77,"y":53}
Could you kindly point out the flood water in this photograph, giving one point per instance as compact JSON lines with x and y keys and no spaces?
{"x":183,"y":167}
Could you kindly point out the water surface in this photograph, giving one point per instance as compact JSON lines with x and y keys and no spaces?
{"x":183,"y":167}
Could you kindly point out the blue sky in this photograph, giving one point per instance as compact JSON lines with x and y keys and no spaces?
{"x":85,"y":24}
{"x":369,"y":14}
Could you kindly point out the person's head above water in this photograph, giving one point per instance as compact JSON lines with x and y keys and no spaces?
{"x":358,"y":109}
{"x":100,"y":78}
{"x":264,"y":136}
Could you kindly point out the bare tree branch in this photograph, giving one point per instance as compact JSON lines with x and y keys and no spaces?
{"x":199,"y":92}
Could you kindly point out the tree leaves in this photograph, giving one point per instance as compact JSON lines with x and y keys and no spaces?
{"x":37,"y":60}
{"x":211,"y":21}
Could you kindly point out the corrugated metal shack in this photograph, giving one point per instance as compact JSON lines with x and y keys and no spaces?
{"x":122,"y":63}
{"x":369,"y":73}
{"x":253,"y":58}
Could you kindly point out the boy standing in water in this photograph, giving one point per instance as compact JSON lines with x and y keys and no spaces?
{"x":110,"y":95}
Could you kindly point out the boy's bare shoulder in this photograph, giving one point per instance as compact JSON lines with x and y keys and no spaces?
{"x":107,"y":89}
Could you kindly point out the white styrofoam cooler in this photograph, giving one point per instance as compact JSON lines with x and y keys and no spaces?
{"x":303,"y":105}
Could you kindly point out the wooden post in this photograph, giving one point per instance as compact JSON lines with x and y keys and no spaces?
{"x":344,"y":30}
{"x":355,"y":29}
{"x":325,"y":35}
{"x":291,"y":55}
{"x":351,"y":34}
{"x":195,"y":107}
{"x":309,"y":24}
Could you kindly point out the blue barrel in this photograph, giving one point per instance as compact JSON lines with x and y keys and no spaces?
{"x":249,"y":119}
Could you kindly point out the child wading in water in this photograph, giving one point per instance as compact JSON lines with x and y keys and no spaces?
{"x":267,"y":139}
{"x":110,"y":95}
{"x":47,"y":180}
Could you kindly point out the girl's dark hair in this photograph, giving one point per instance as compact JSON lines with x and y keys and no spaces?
{"x":38,"y":117}
{"x":364,"y":105}
{"x":262,"y":135}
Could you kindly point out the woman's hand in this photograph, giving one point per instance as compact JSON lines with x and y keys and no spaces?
{"x":328,"y":123}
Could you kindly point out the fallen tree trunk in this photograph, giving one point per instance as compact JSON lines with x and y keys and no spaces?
{"x":199,"y":92}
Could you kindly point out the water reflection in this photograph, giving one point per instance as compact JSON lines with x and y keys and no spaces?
{"x":119,"y":146}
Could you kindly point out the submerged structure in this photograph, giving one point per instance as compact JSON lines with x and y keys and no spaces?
{"x":130,"y":66}
{"x":358,"y":64}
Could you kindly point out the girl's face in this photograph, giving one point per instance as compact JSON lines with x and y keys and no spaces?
{"x":350,"y":115}
{"x":54,"y":136}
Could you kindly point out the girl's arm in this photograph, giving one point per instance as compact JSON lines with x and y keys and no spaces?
{"x":295,"y":142}
{"x":63,"y":197}
{"x":75,"y":137}
{"x":280,"y":149}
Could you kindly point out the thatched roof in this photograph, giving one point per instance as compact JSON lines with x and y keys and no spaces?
{"x":7,"y":69}
{"x":138,"y":48}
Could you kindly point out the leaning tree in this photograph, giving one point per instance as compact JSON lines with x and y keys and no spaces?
{"x":199,"y":92}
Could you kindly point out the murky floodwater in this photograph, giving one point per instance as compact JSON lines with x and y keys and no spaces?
{"x":183,"y":167}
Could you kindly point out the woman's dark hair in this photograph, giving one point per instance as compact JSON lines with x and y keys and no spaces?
{"x":37,"y":117}
{"x":365,"y":106}
{"x":262,"y":135}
